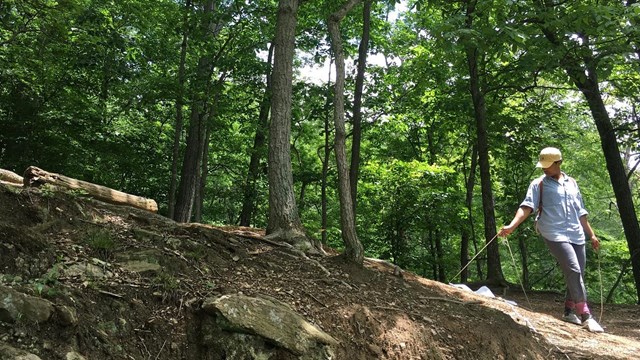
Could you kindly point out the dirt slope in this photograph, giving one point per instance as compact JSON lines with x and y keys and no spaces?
{"x":135,"y":281}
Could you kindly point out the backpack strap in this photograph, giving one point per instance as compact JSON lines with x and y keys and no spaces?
{"x":540,"y":199}
{"x":535,"y":222}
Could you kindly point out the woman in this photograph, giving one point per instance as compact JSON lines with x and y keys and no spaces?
{"x":561,"y":220}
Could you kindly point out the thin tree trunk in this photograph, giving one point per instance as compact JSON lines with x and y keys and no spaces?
{"x":468,"y":232}
{"x":198,"y":202}
{"x":464,"y":254}
{"x":303,"y":191}
{"x":363,"y":50}
{"x":179,"y":107}
{"x":494,"y":268}
{"x":442,"y":275}
{"x":191,"y":164}
{"x":197,"y":125}
{"x":623,"y":272}
{"x":325,"y":163}
{"x":353,"y":248}
{"x":257,"y":152}
{"x":522,"y":245}
{"x":284,"y":221}
{"x":434,"y":251}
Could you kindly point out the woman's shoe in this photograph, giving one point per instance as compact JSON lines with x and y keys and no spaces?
{"x":592,"y":325}
{"x":571,"y":317}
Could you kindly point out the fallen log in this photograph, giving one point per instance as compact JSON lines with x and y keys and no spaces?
{"x":34,"y":176}
{"x":10,"y":177}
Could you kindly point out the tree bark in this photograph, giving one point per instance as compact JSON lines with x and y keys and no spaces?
{"x":522,"y":245}
{"x":353,"y":248}
{"x":432,"y":250}
{"x":623,"y":272}
{"x":198,"y":202}
{"x":494,"y":268}
{"x":179,"y":111}
{"x":363,"y":50}
{"x":34,"y":176}
{"x":325,"y":162}
{"x":468,"y":232}
{"x":284,"y":221}
{"x":193,"y":153}
{"x":442,"y":274}
{"x":196,"y":134}
{"x":257,"y":152}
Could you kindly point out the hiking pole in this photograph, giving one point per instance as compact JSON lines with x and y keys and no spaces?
{"x":475,"y":256}
{"x":515,"y":266}
{"x":601,"y":293}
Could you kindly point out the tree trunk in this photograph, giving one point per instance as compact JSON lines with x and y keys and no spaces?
{"x":468,"y":232}
{"x":34,"y":176}
{"x":198,"y":202}
{"x":464,"y":255}
{"x":257,"y":152}
{"x":179,"y":113}
{"x":522,"y":245}
{"x":196,"y":134}
{"x":617,"y":173}
{"x":623,"y":272}
{"x":354,"y":171}
{"x":442,"y":274}
{"x":193,"y":153}
{"x":353,"y":248}
{"x":494,"y":268}
{"x":284,"y":221}
{"x":325,"y":163}
{"x":434,"y":251}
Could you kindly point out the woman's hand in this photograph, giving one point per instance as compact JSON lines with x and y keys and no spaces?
{"x":506,"y":230}
{"x":595,"y":243}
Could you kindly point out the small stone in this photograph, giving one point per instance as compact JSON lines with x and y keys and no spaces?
{"x":74,"y":356}
{"x":66,"y":315}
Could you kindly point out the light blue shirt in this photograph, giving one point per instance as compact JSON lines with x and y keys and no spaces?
{"x":562,"y":208}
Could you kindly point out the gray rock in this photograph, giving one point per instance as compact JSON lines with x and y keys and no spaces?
{"x":250,"y":326}
{"x":87,"y":270}
{"x":8,"y":352}
{"x":66,"y":315}
{"x":74,"y":356}
{"x":141,"y":262}
{"x":16,"y":306}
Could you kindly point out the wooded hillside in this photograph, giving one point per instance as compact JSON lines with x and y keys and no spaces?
{"x":415,"y":148}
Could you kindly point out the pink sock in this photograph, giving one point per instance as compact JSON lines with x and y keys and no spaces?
{"x":582,"y":308}
{"x":569,"y":304}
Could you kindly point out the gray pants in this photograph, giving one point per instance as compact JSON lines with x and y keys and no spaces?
{"x":572,"y":260}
